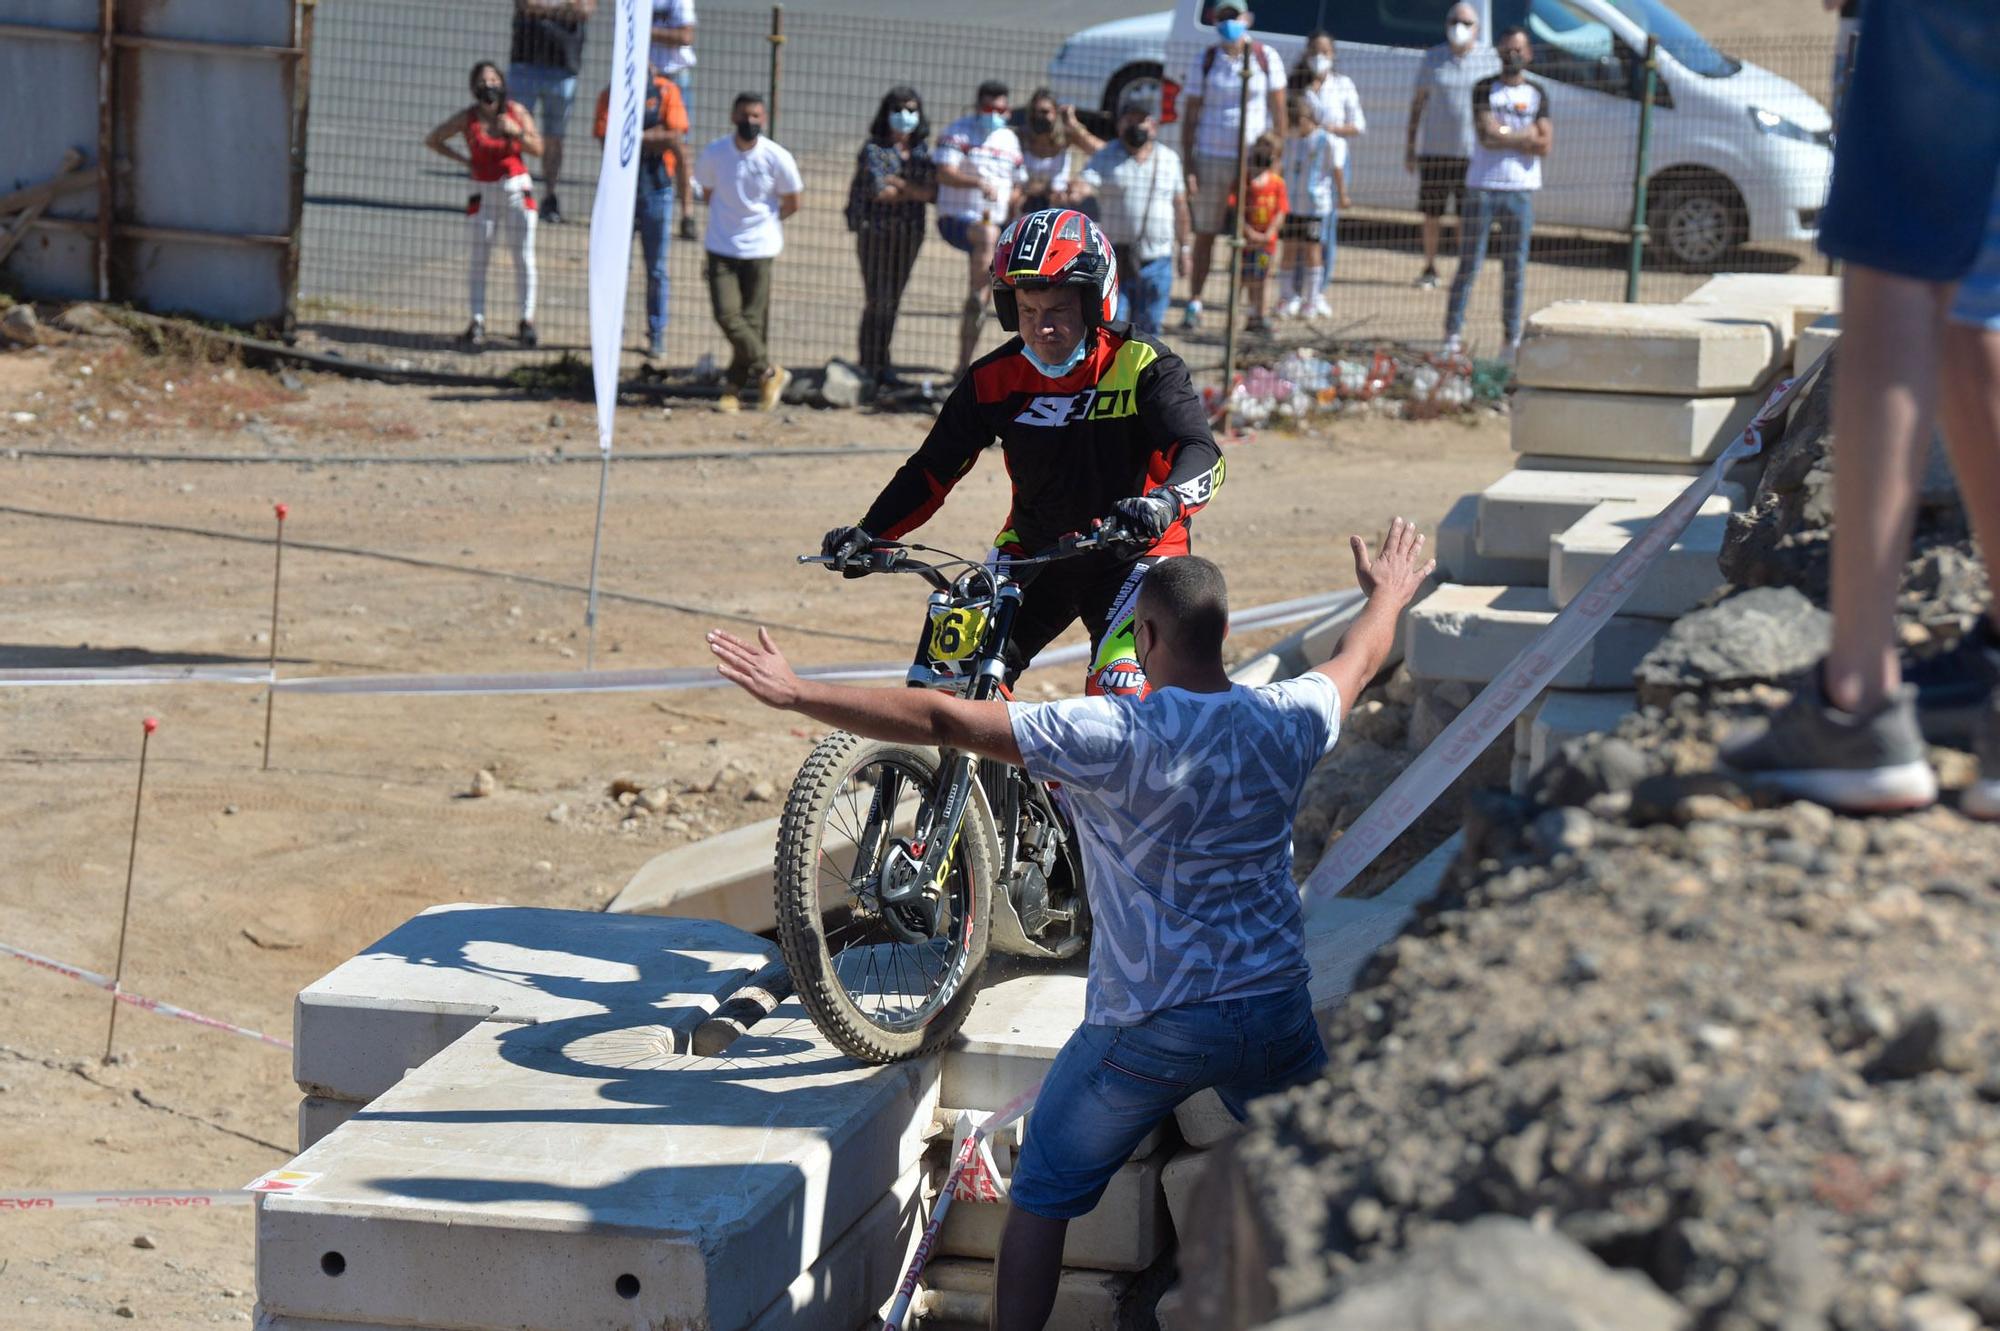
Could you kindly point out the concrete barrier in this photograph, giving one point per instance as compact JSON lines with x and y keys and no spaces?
{"x":1622,"y":427}
{"x":1807,"y":297}
{"x":1459,"y":560}
{"x":1604,"y":346}
{"x":1126,"y":1231}
{"x":1520,"y":512}
{"x":725,"y":877}
{"x":1471,"y":633}
{"x":1683,"y":576}
{"x":1564,"y":716}
{"x":1085,"y":1300}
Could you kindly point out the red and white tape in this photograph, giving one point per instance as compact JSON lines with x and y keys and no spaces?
{"x":122,"y":1201}
{"x":1535,"y":666}
{"x":139,"y":1001}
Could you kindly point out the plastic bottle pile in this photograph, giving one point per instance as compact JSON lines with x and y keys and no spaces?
{"x":1393,"y":380}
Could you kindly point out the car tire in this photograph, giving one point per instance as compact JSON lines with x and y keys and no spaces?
{"x":1144,"y":72}
{"x":1694,"y":225}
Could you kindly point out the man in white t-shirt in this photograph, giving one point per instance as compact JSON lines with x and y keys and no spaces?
{"x":979,"y":174}
{"x":1141,"y":198}
{"x":751,"y":185}
{"x":1512,"y":134}
{"x":673,"y":55}
{"x":1183,"y":803}
{"x":1215,"y":118}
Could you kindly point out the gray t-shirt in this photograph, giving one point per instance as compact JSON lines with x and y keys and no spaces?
{"x":1446,"y":130}
{"x":1135,"y":198}
{"x":1183,"y":804}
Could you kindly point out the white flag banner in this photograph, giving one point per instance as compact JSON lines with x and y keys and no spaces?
{"x":611,"y":216}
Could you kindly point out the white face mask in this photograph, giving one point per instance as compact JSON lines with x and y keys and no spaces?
{"x":1321,"y":65}
{"x":1074,"y":359}
{"x":1460,"y":35}
{"x":903,"y":122}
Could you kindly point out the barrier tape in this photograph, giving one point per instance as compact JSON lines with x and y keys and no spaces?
{"x":139,"y":1001}
{"x":1534,"y":666}
{"x":906,"y":1291}
{"x":118,"y":1201}
{"x":74,"y":677}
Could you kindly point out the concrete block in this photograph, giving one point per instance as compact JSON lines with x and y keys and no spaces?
{"x":1171,"y":1313}
{"x":1085,"y":1300}
{"x":725,"y":877}
{"x":1457,"y":551}
{"x":1807,"y":297}
{"x":580,"y":1174}
{"x":1178,"y":1181}
{"x":1815,"y":339}
{"x":851,"y":1283}
{"x":1520,"y":511}
{"x":1605,"y":346}
{"x":1472,"y":633}
{"x":1679,"y":578}
{"x":408,"y":995}
{"x":319,"y":1116}
{"x":1564,"y":716}
{"x":1627,"y":426}
{"x":1127,"y":1229}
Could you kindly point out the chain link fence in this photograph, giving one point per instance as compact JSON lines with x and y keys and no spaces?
{"x":1737,"y":160}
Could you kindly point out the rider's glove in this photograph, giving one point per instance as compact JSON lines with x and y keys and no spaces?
{"x":1148,"y":516}
{"x":844,"y":544}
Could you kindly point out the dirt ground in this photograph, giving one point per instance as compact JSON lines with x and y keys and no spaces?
{"x":249,"y":883}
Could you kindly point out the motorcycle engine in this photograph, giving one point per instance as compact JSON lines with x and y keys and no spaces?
{"x":1031,"y":899}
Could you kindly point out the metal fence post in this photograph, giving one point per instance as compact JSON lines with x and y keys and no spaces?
{"x":302,"y":38}
{"x":777,"y":62}
{"x":1640,"y":167}
{"x":1235,"y":246}
{"x":107,"y":139}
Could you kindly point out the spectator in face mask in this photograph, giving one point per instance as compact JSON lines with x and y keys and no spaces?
{"x":1510,"y":116}
{"x":1141,"y":196}
{"x":1215,"y":117}
{"x":751,"y":185}
{"x":497,"y":131}
{"x":980,"y":172}
{"x":1336,"y":107}
{"x":1439,"y":141}
{"x":1053,"y":130}
{"x":893,"y":179}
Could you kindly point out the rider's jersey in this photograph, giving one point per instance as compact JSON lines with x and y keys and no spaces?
{"x":1123,"y":422}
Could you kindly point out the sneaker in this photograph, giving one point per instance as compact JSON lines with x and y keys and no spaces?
{"x":1426,"y":279}
{"x":687,"y":228}
{"x":551,"y":212}
{"x":1290,"y":309}
{"x":729,"y":404}
{"x":773,"y":390}
{"x":526,"y":333}
{"x":1854,"y":763}
{"x":474,"y":336}
{"x":655,"y":348}
{"x":1511,"y":353}
{"x":1981,"y":799}
{"x":1191,"y":317}
{"x":1319,"y":309}
{"x":1452,"y":345}
{"x":1953,"y":686}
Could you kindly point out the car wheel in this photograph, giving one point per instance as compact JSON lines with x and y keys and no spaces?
{"x":1696,"y":225}
{"x":1145,"y":76}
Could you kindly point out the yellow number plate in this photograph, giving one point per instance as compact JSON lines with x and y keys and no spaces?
{"x":956,"y":634}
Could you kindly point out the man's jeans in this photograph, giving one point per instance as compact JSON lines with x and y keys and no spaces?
{"x":655,"y":210}
{"x":1111,"y":1085}
{"x":1144,"y":302}
{"x":1514,"y":210}
{"x":739,"y":293}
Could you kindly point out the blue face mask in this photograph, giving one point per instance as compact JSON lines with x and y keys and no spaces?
{"x":1074,"y":359}
{"x":1231,"y":29}
{"x":993,"y":119}
{"x":903,"y":122}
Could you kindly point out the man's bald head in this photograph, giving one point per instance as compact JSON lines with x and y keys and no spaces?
{"x":1462,"y":13}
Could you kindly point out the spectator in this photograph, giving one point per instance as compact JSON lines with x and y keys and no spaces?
{"x":1053,"y":130}
{"x":1439,"y":142}
{"x":1510,"y":117}
{"x":1213,"y":116}
{"x":1142,"y":205}
{"x":751,"y":185}
{"x":662,"y":132}
{"x":1262,"y":221}
{"x":541,"y":70}
{"x":673,"y":55}
{"x":496,"y":130}
{"x":1337,"y":106}
{"x":1312,"y":184}
{"x":979,"y":171}
{"x":893,"y":180}
{"x":1914,"y":216}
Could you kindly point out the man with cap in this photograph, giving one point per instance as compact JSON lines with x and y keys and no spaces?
{"x":1142,"y":206}
{"x":1215,"y":118}
{"x":1439,"y":142}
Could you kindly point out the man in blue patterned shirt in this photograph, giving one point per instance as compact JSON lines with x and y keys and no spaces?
{"x":1183,"y":803}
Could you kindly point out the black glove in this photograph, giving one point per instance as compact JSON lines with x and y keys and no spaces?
{"x":1147,"y":516}
{"x":844,"y":544}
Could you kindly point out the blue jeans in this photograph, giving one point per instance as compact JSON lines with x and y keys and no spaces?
{"x":1144,"y":301}
{"x":1111,"y":1085}
{"x":655,"y":209}
{"x":547,"y":92}
{"x":1329,"y":240}
{"x":1514,"y":210}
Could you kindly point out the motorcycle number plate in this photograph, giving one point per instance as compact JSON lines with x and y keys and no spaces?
{"x":956,"y":634}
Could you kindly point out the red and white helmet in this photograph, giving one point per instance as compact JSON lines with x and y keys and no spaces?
{"x":1056,"y":247}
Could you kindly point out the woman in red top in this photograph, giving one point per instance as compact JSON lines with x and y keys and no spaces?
{"x":496,"y":132}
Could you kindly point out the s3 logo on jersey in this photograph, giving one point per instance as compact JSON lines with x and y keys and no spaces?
{"x":1091,"y":404}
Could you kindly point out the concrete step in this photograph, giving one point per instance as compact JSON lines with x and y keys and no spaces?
{"x":408,"y":995}
{"x":1085,"y":1300}
{"x":1126,"y":1231}
{"x":1814,"y":340}
{"x":1472,"y":633}
{"x":1459,"y":560}
{"x":319,"y":1116}
{"x":1604,"y":346}
{"x":1807,"y":297}
{"x":1677,"y":581}
{"x":1635,"y":427}
{"x":579,"y":1174}
{"x":1564,"y":716}
{"x":725,"y":877}
{"x":1520,"y":512}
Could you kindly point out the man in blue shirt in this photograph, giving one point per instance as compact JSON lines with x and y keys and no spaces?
{"x":1183,"y":803}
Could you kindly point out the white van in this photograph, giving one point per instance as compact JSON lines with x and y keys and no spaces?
{"x":1738,"y":153}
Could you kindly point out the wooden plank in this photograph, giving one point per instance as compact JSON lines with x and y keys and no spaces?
{"x":67,"y":178}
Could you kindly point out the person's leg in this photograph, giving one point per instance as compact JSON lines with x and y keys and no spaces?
{"x":871,"y":251}
{"x":1201,"y":255}
{"x":556,"y":100}
{"x":520,"y":221}
{"x":908,"y":243}
{"x":481,"y":220}
{"x":1969,"y":409}
{"x":1315,"y":280}
{"x":1329,"y":236}
{"x":1155,"y":291}
{"x":1428,"y":228}
{"x":655,"y":207}
{"x":1471,"y":253}
{"x":683,"y":160}
{"x":1431,"y":196}
{"x":1516,"y":213}
{"x":1109,"y":606}
{"x":725,"y":298}
{"x":756,"y":285}
{"x":980,"y":240}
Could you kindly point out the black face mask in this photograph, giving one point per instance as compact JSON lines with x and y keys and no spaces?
{"x":1042,"y":124}
{"x":748,"y":130}
{"x":1260,"y":161}
{"x":1136,"y":136}
{"x":1511,"y":62}
{"x":488,"y":94}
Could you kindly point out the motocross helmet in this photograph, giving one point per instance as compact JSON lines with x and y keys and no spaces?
{"x":1055,"y":247}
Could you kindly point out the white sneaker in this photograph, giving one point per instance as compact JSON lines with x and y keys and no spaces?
{"x":1452,"y":345}
{"x":1290,"y":309}
{"x":1191,"y":317}
{"x":1320,"y":309}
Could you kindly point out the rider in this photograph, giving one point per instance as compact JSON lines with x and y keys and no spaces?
{"x":1096,"y":421}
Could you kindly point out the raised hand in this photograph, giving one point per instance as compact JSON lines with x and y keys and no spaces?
{"x":760,"y":671}
{"x":1398,"y":568}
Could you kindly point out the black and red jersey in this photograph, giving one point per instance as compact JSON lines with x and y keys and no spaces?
{"x":1125,"y":421}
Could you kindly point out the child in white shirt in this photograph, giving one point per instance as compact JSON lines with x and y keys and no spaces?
{"x":1313,"y":180}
